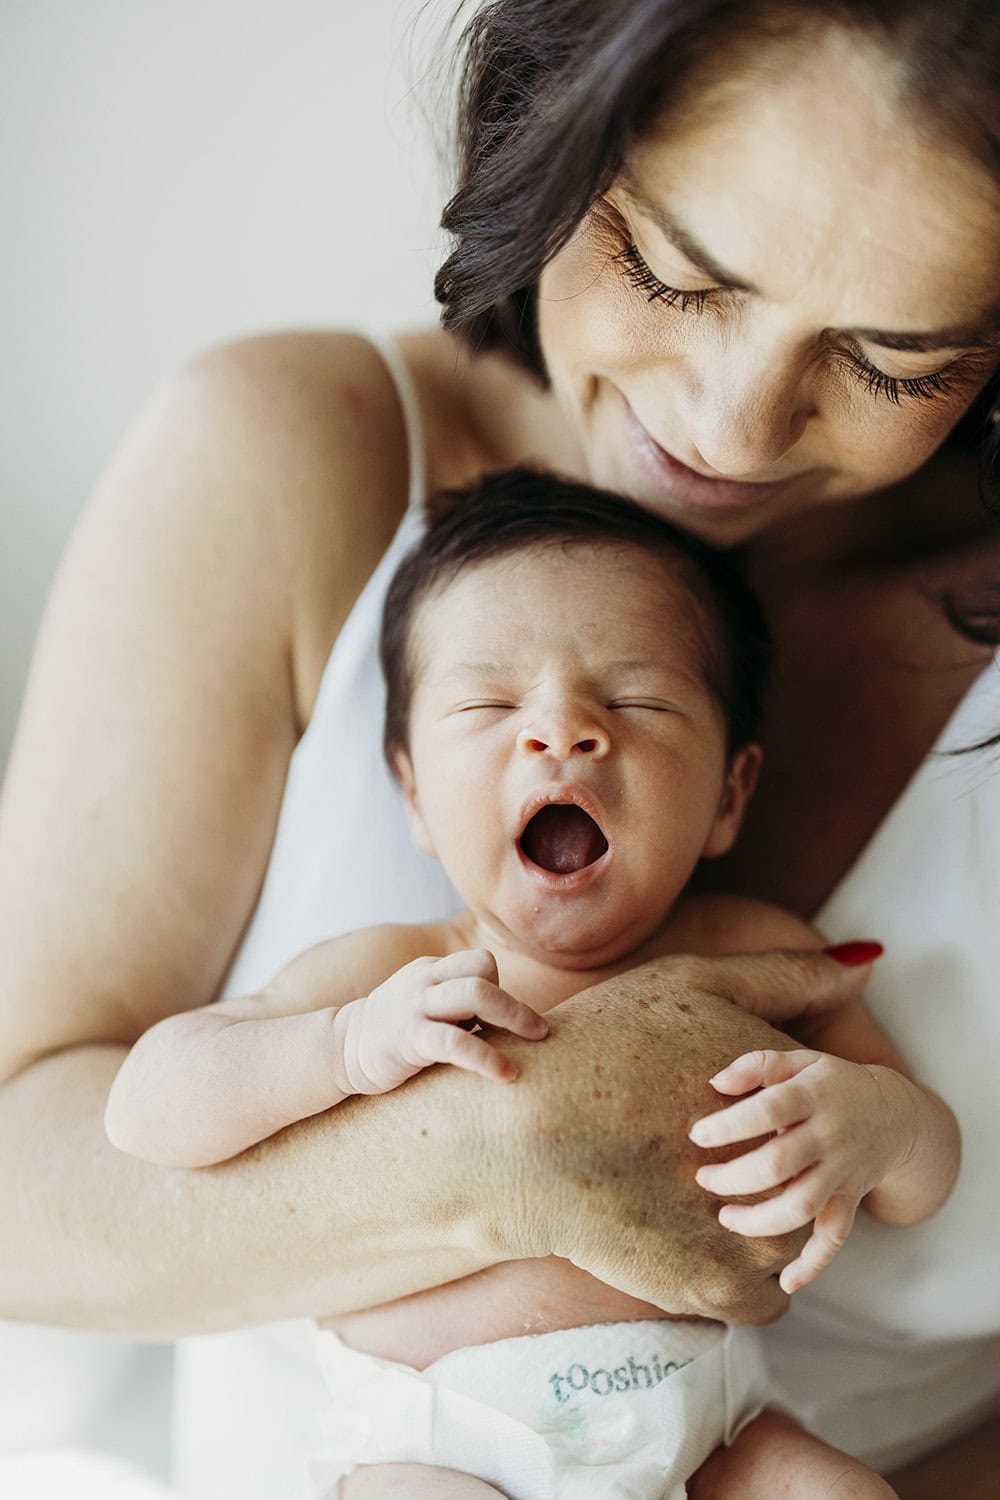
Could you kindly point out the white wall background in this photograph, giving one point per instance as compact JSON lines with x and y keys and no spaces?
{"x":174,"y":173}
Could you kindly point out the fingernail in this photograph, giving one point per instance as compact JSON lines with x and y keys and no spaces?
{"x":854,"y":954}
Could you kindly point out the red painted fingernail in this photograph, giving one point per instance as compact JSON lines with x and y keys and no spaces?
{"x":853,"y":954}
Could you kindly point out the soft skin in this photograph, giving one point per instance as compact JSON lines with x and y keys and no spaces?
{"x":589,"y":700}
{"x":146,"y":778}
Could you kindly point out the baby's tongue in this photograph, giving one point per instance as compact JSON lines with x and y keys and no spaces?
{"x":563,"y":838}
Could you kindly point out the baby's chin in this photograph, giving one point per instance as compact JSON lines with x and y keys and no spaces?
{"x":572,"y":946}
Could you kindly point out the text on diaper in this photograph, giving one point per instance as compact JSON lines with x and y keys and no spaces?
{"x":634,"y":1376}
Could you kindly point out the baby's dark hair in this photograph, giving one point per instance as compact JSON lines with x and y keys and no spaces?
{"x":521,"y":509}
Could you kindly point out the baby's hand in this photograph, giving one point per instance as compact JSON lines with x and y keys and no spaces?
{"x":831,"y":1141}
{"x":415,"y":1018}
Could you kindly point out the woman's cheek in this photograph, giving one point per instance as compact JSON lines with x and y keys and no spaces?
{"x":886,"y":442}
{"x":593,"y":326}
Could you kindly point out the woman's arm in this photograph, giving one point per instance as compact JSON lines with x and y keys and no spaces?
{"x":99,"y":1240}
{"x":578,"y":1159}
{"x":185,"y":634}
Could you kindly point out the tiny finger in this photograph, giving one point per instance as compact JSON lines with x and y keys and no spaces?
{"x":470,"y":963}
{"x":793,"y":1208}
{"x":833,"y":1225}
{"x":778,"y":1161}
{"x":761,"y":1114}
{"x":465,"y":998}
{"x":442,"y":1043}
{"x":761,"y":1220}
{"x":761,"y":1069}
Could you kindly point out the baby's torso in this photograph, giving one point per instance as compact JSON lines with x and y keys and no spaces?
{"x":504,"y":1301}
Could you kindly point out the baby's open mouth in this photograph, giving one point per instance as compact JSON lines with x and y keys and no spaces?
{"x":562,"y":838}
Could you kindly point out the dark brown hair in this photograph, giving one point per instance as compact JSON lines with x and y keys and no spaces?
{"x":554,"y":91}
{"x":522,"y":509}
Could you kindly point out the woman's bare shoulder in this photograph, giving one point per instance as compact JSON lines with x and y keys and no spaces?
{"x":305,"y":438}
{"x":310,"y":440}
{"x":327,"y":424}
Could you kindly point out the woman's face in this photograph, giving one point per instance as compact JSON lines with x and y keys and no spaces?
{"x":786,"y":300}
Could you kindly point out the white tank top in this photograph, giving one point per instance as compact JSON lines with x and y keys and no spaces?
{"x":898,"y":1344}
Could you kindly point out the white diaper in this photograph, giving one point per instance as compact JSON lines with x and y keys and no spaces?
{"x":612,"y":1411}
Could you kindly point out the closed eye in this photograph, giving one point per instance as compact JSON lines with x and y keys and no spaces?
{"x":655,"y":705}
{"x":893,"y":387}
{"x":483,"y":704}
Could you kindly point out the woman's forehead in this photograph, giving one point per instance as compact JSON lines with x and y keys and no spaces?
{"x":818,"y":182}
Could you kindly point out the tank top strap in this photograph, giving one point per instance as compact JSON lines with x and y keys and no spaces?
{"x":392,"y":358}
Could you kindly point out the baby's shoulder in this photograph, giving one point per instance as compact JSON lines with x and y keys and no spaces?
{"x":713,"y":923}
{"x":373,"y":953}
{"x":338,"y":969}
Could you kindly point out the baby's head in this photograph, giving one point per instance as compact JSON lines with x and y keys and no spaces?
{"x":574,"y":691}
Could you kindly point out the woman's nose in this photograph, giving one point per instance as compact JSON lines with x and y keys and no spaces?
{"x":743,"y":418}
{"x":564,"y":736}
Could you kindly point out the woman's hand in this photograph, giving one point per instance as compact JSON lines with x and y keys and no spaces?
{"x":592,"y":1156}
{"x":831,"y":1141}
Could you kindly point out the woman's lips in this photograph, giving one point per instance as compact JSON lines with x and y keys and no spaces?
{"x":691,"y":488}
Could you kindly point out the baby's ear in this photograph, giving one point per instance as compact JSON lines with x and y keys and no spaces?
{"x":403,"y":768}
{"x":741,"y":778}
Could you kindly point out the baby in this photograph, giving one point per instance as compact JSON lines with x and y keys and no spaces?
{"x":573,"y":696}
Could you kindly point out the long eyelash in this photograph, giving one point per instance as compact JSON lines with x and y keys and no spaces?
{"x":638,"y":273}
{"x":894,"y":388}
{"x":876,"y":381}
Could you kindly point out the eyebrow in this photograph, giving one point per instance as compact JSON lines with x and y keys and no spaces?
{"x":983,"y":334}
{"x":681,"y":239}
{"x":477,"y":668}
{"x":498,"y":669}
{"x":638,"y":664}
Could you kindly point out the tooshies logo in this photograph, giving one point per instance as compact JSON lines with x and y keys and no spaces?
{"x":634,"y":1376}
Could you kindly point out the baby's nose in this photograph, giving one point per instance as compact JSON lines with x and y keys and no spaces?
{"x":564,"y":736}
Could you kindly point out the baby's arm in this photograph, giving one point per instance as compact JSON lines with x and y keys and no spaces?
{"x":845,"y":1123}
{"x":202,"y":1086}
